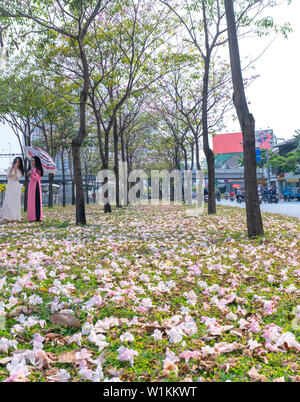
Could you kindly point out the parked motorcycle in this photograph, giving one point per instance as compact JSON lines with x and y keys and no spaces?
{"x":265,"y":198}
{"x":274,"y":198}
{"x":239,"y":199}
{"x":271,"y":198}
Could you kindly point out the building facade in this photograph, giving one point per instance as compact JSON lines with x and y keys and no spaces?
{"x":229,"y":151}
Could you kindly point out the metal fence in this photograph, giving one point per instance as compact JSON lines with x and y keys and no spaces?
{"x":2,"y":194}
{"x":57,"y":199}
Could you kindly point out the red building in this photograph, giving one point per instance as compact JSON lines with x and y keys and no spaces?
{"x":228,"y":148}
{"x":228,"y":143}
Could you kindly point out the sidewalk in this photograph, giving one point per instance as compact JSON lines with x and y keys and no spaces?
{"x":291,"y":208}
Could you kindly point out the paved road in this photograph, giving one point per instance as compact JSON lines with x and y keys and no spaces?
{"x":291,"y":208}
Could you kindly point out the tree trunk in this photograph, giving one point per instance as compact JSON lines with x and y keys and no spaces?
{"x":63,"y":179}
{"x":72,"y":179}
{"x":123,"y":156}
{"x":73,"y":193}
{"x":129,"y":168}
{"x":64,"y":190}
{"x":149,"y":188}
{"x":192,"y":157}
{"x":185,"y":158}
{"x":107,"y":206}
{"x":103,"y":154}
{"x":86,"y":188}
{"x":77,"y":142}
{"x":197,"y":153}
{"x":176,"y":159}
{"x":247,"y":123}
{"x":80,"y":207}
{"x":26,"y":182}
{"x":76,"y":145}
{"x":210,"y":159}
{"x":94,"y":192}
{"x":124,"y":160}
{"x":50,"y":190}
{"x":116,"y":163}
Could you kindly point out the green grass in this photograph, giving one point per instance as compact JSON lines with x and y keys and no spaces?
{"x":107,"y":258}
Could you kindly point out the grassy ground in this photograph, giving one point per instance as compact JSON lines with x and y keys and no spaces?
{"x":160,"y":296}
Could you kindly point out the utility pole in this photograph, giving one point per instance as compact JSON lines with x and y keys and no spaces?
{"x":268,"y":168}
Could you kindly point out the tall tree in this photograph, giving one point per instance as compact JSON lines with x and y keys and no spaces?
{"x":90,"y":161}
{"x":130,"y":45}
{"x":71,"y":19}
{"x":247,"y":123}
{"x":205,"y":25}
{"x":206,"y":35}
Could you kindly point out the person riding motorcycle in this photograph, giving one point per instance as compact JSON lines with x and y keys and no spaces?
{"x":206,"y":195}
{"x":239,"y":195}
{"x":266,"y":194}
{"x":274,"y":197}
{"x":243,"y":194}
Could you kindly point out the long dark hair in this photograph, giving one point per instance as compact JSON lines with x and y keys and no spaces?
{"x":21,"y":167}
{"x":38,"y":165}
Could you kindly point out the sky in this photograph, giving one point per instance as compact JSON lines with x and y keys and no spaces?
{"x":274,"y":96}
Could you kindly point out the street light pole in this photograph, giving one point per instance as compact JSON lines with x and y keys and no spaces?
{"x":9,"y":153}
{"x":268,"y":168}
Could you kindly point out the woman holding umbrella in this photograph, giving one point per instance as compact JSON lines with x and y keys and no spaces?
{"x":35,"y":212}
